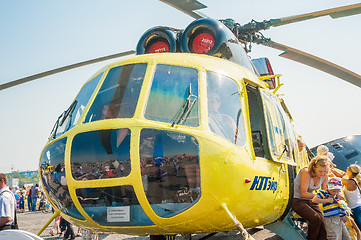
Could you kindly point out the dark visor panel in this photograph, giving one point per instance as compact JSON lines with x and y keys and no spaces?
{"x":113,"y":206}
{"x":53,"y":176}
{"x":101,"y":154}
{"x":170,"y":170}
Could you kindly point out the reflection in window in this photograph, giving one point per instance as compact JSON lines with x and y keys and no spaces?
{"x":71,"y":116}
{"x":279,"y":128}
{"x":118,"y":96}
{"x":53,"y":176}
{"x":101,"y":154}
{"x":113,"y":206}
{"x":271,"y":134}
{"x":289,"y":134}
{"x":170,"y":170}
{"x":174,"y":95}
{"x":224,"y":108}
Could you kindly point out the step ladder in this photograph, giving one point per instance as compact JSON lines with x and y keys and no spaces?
{"x":287,"y":228}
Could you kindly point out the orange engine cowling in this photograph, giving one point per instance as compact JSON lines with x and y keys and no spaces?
{"x":157,"y":40}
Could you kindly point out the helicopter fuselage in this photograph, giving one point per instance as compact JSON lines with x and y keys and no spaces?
{"x":161,"y":143}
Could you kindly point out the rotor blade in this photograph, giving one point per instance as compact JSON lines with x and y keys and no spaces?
{"x":189,"y":7}
{"x":316,"y":62}
{"x":62,"y":69}
{"x":332,"y":12}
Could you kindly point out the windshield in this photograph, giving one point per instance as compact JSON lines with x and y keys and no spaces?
{"x":174,"y":95}
{"x":118,"y":96}
{"x":70,"y":117}
{"x":225,"y":117}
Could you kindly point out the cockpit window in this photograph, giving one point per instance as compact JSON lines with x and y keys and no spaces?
{"x":52,"y":169}
{"x":174,"y":95}
{"x":170,"y":169}
{"x":118,"y":96}
{"x":70,"y":117}
{"x":101,"y":154}
{"x":224,"y":108}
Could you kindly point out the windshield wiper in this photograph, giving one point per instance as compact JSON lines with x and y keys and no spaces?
{"x":186,"y":108}
{"x":55,"y":128}
{"x":70,"y":115}
{"x":68,"y":112}
{"x":61,"y":119}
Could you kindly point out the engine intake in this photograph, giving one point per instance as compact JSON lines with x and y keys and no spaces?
{"x":157,"y":40}
{"x":204,"y":36}
{"x":211,"y":37}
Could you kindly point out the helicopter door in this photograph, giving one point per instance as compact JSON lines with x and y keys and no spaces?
{"x":282,"y":138}
{"x":258,"y":128}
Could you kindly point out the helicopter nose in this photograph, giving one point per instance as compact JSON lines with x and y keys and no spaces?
{"x":102,"y":174}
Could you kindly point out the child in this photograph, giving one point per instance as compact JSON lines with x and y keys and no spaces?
{"x":323,"y":150}
{"x":334,"y":213}
{"x":350,"y":224}
{"x":42,"y":206}
{"x":22,"y":202}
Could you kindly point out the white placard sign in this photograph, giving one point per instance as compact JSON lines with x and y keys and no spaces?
{"x":118,"y":214}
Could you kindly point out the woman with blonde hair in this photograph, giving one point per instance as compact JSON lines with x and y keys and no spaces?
{"x":352,"y":191}
{"x":308,"y":180}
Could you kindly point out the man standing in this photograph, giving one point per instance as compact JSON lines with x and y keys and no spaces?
{"x":34,"y":196}
{"x":7,"y":204}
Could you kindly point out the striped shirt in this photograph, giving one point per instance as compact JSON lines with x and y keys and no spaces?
{"x":331,"y":209}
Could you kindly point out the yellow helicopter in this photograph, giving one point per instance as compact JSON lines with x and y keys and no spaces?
{"x":186,"y":137}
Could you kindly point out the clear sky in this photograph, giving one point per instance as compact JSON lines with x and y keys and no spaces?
{"x":36,"y":36}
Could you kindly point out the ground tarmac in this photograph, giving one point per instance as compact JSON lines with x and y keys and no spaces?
{"x":34,"y":221}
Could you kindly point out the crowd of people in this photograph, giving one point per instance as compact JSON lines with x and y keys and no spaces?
{"x":338,"y":194}
{"x":31,"y":197}
{"x":13,"y":201}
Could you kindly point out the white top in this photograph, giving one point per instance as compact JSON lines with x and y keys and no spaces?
{"x":353,"y":198}
{"x":310,"y":189}
{"x":7,"y":204}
